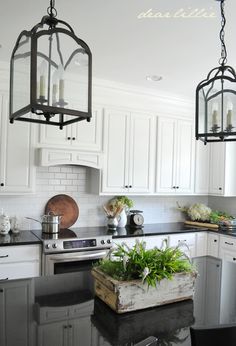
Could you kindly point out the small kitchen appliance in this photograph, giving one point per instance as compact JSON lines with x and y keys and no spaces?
{"x":135,"y":219}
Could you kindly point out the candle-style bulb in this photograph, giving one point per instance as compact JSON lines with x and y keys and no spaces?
{"x":61,"y":83}
{"x":54,"y":87}
{"x":42,"y":72}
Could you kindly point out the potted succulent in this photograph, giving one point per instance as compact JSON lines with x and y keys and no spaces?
{"x":136,"y":278}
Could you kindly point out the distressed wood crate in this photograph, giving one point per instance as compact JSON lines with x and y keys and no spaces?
{"x":125,"y":296}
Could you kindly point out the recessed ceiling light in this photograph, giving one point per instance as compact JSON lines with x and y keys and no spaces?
{"x":153,"y":78}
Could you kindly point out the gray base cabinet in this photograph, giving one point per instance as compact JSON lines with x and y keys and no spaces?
{"x":17,"y":297}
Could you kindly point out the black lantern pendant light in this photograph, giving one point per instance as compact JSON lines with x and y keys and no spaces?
{"x":50,"y":74}
{"x":216,"y":99}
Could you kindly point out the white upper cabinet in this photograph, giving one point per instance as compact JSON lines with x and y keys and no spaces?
{"x":202,"y":163}
{"x":222,"y":169}
{"x":129,"y":152}
{"x":81,"y":135}
{"x":17,"y":171}
{"x":174,"y":156}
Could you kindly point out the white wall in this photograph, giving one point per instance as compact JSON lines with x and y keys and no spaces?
{"x":71,"y":180}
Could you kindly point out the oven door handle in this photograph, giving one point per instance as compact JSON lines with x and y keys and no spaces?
{"x":96,"y":255}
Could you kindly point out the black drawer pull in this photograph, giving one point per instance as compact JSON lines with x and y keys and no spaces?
{"x":2,"y":184}
{"x":4,"y":256}
{"x":68,"y":138}
{"x":1,"y":290}
{"x":234,"y":259}
{"x":73,"y":138}
{"x":229,"y":243}
{"x":181,"y":240}
{"x":215,"y":240}
{"x":4,"y":279}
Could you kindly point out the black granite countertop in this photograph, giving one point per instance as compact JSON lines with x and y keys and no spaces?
{"x":21,"y":238}
{"x":27,"y":237}
{"x":60,"y":305}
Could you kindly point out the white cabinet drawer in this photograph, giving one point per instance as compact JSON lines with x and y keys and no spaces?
{"x":20,"y":270}
{"x":187,"y":241}
{"x":155,"y":241}
{"x":20,"y":253}
{"x":228,"y":243}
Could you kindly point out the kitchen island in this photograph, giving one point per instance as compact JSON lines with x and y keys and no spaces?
{"x":62,"y":310}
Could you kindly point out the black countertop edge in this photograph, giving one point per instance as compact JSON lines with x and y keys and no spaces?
{"x":21,"y":238}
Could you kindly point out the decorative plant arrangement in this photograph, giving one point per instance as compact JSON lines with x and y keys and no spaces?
{"x":118,"y":208}
{"x":201,"y":212}
{"x":150,"y":266}
{"x":136,"y":278}
{"x":117,"y":204}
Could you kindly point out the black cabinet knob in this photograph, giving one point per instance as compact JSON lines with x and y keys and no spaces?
{"x":234,"y":259}
{"x":130,"y":186}
{"x":68,"y":138}
{"x":126,"y":186}
{"x":177,"y":187}
{"x":2,"y":184}
{"x":215,"y":240}
{"x":173,"y":187}
{"x":220,"y":188}
{"x":73,"y":138}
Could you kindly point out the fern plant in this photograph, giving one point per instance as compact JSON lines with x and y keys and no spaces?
{"x":150,"y":266}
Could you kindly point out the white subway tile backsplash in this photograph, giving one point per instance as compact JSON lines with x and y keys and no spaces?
{"x":71,"y":180}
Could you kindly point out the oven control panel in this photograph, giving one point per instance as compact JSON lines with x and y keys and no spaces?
{"x":69,"y":245}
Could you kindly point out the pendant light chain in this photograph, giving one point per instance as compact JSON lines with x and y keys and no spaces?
{"x":51,"y":10}
{"x":223,"y":59}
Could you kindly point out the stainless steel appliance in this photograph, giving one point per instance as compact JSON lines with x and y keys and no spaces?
{"x":72,"y":250}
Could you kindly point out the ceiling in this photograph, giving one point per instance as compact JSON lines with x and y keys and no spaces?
{"x":127,"y":48}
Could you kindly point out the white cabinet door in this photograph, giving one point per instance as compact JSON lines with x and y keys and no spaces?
{"x":174,"y":156}
{"x":213,"y":244}
{"x":82,"y":135}
{"x":17,"y":171}
{"x":217,"y":167}
{"x":128,"y":146}
{"x":227,"y":249}
{"x":158,"y":241}
{"x":166,"y":154}
{"x":141,"y":153}
{"x":201,"y":248}
{"x":202,"y":161}
{"x":184,"y":160}
{"x":116,"y":162}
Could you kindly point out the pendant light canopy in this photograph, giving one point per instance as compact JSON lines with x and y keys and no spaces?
{"x":48,"y":65}
{"x":216,"y":99}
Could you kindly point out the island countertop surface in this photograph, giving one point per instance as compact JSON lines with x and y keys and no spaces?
{"x":48,"y":309}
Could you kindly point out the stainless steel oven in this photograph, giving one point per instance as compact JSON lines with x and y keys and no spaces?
{"x":72,"y":251}
{"x":71,"y":262}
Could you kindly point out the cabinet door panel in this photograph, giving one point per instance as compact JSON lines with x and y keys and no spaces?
{"x":184,"y":171}
{"x":53,"y":334}
{"x":217,"y":164}
{"x":141,"y":153}
{"x":166,"y":155}
{"x":17,"y":155}
{"x":117,"y":157}
{"x":202,"y":159}
{"x":213,"y":245}
{"x":54,"y":136}
{"x":88,"y":135}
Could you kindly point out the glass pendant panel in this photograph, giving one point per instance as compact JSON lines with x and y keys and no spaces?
{"x":62,"y":72}
{"x":20,"y":77}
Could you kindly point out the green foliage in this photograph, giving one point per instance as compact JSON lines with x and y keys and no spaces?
{"x":125,"y":201}
{"x":149,"y":265}
{"x":218,"y":216}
